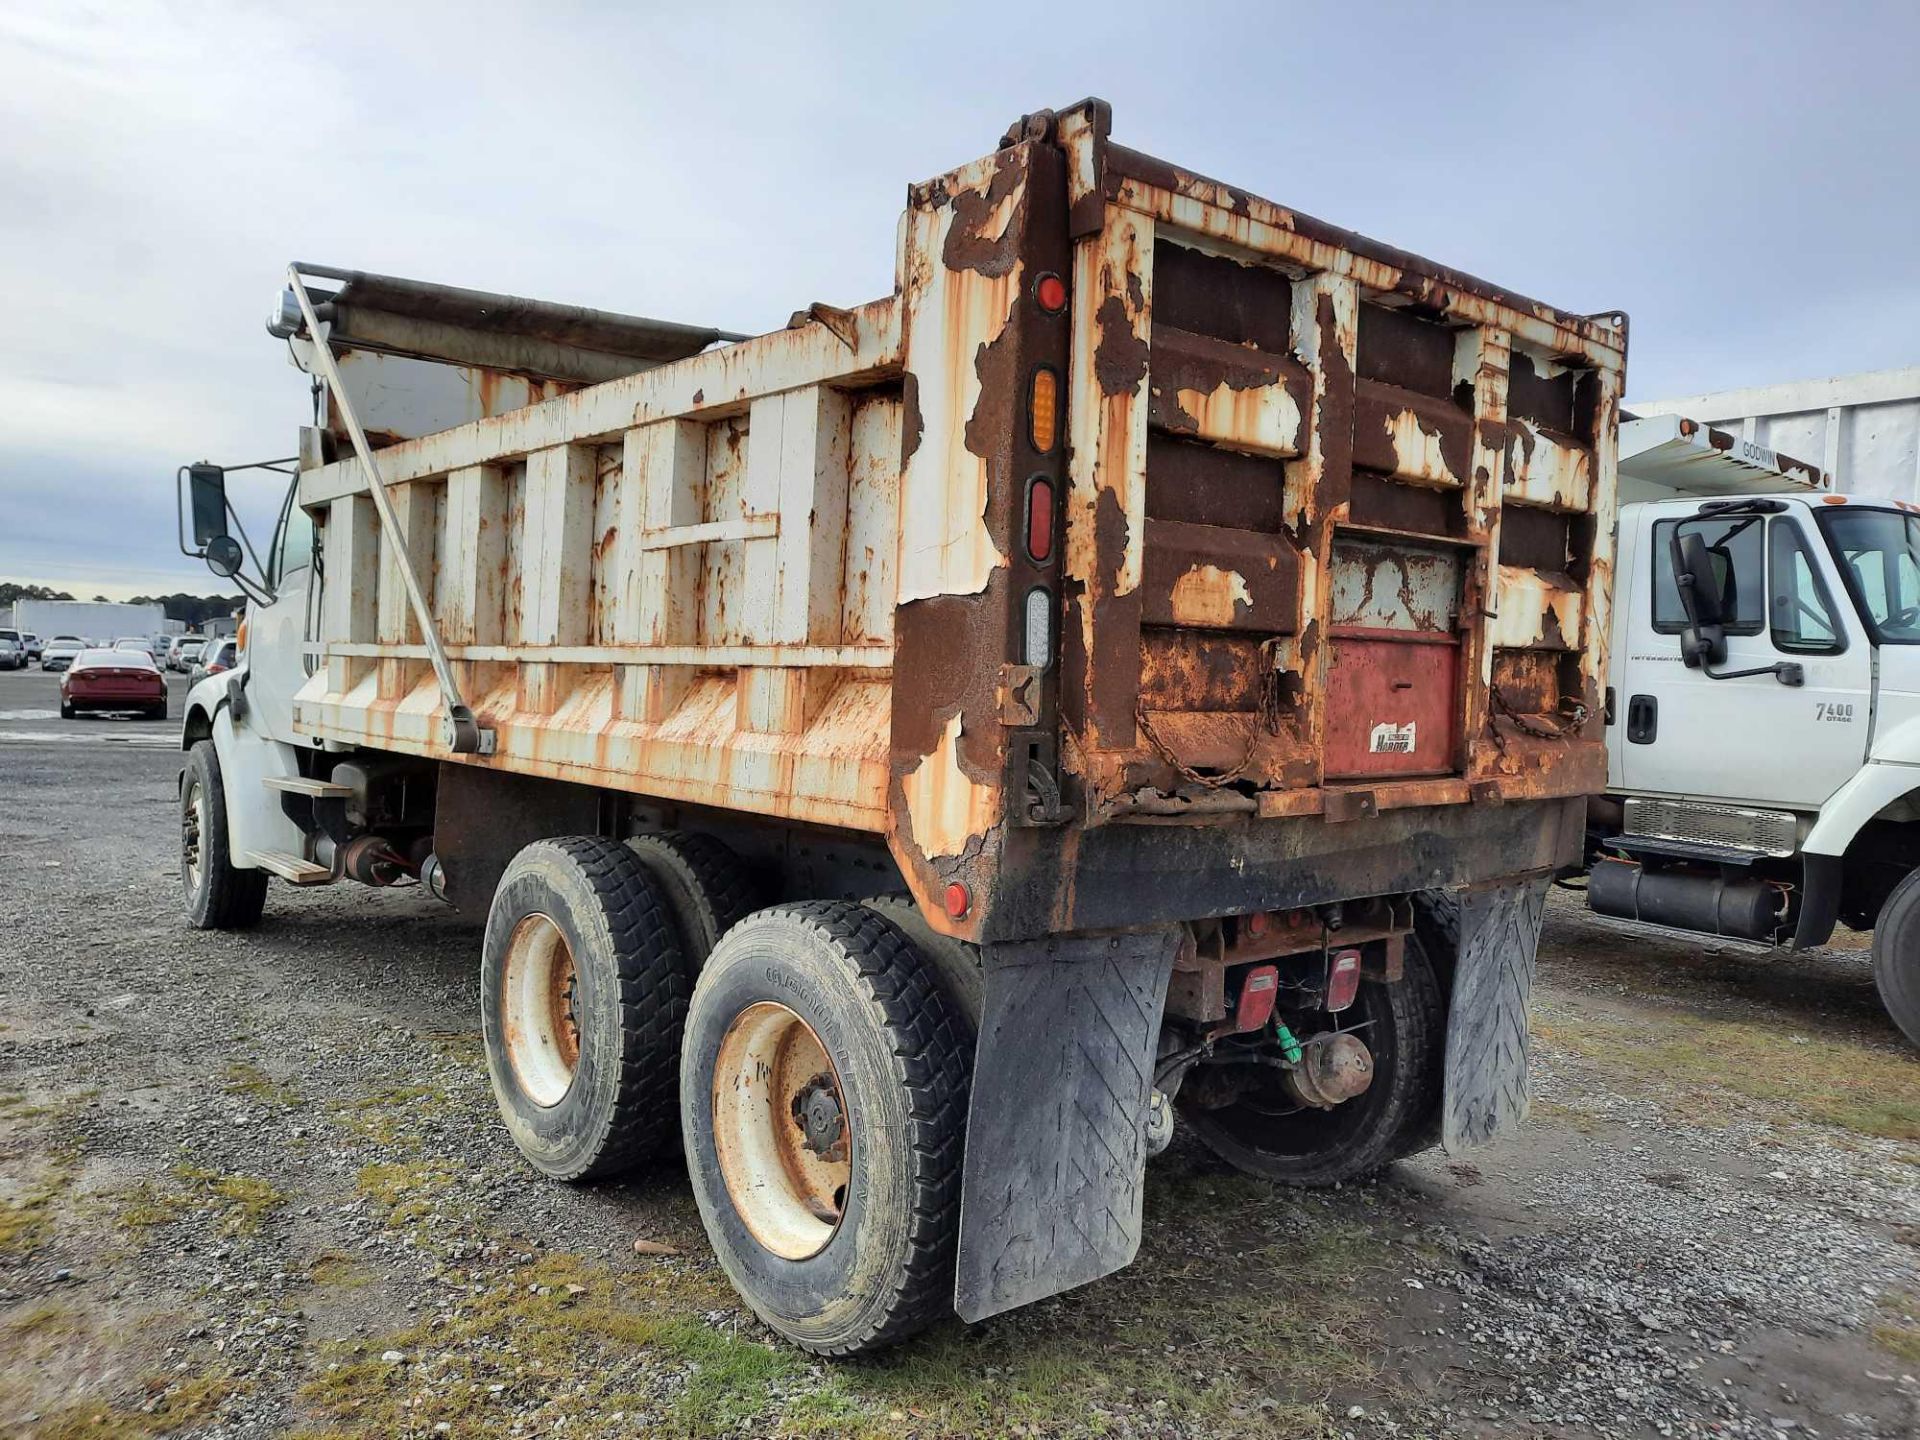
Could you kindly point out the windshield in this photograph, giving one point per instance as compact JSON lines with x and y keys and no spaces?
{"x":1879,"y":553}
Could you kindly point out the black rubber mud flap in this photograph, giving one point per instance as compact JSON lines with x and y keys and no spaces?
{"x":1486,"y":1078}
{"x":1056,"y":1134}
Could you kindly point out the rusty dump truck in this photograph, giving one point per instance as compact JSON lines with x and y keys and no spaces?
{"x":1140,"y":672}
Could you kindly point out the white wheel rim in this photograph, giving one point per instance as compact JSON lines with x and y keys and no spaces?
{"x":193,"y":833}
{"x":790,"y":1193}
{"x":539,"y":1005}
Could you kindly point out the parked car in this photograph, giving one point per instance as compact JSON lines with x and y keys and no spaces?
{"x":161,"y":644}
{"x":113,"y":680}
{"x":60,"y":652}
{"x":14,"y":654}
{"x":33,"y":645}
{"x":219,"y":655}
{"x":135,"y":642}
{"x":184,"y":650}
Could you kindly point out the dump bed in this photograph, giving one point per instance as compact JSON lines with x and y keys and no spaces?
{"x":1146,"y":525}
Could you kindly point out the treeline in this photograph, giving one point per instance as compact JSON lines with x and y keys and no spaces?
{"x":193,"y":609}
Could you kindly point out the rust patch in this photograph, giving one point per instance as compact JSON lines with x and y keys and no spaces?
{"x":1120,"y":359}
{"x":987,"y":225}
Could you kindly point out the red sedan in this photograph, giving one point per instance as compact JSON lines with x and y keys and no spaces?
{"x":113,"y":680}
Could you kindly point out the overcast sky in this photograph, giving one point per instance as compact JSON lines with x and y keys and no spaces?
{"x":1740,"y":178}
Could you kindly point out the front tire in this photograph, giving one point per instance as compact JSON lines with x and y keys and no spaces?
{"x":583,"y":993}
{"x":218,"y":894}
{"x":1896,"y":956}
{"x":823,"y":1098}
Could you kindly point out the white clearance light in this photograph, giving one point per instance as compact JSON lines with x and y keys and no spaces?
{"x":1039,"y":628}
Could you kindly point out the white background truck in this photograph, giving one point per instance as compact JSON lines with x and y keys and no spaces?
{"x":903,"y":757}
{"x":1763,"y":746}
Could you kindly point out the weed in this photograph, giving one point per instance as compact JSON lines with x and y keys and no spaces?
{"x":172,"y":1404}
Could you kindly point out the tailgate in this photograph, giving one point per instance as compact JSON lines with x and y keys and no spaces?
{"x":1340,"y":519}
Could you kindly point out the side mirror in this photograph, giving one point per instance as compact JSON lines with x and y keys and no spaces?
{"x":224,"y":556}
{"x":207,"y":495}
{"x":1693,"y":572}
{"x":1704,"y":641}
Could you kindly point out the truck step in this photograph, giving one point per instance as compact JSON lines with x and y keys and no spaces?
{"x":301,"y":785}
{"x":290,"y":867}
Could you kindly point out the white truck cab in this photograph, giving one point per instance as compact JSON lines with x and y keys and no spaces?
{"x":1763,"y":746}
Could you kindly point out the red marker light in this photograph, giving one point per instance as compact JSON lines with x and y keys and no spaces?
{"x":1051,"y":293}
{"x":1040,"y":518}
{"x":958,"y":900}
{"x":1343,"y":979}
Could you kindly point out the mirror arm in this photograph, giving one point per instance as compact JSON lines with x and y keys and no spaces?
{"x":1787,"y":672}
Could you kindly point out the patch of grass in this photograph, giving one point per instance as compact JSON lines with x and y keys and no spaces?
{"x":248,"y":1079}
{"x":243,"y":1201}
{"x":337,"y":1272}
{"x":1553,"y":1112}
{"x":559,"y":1327}
{"x":27,"y":1220}
{"x":172,"y":1404}
{"x":42,"y":1320}
{"x":1899,"y":1333}
{"x":387,"y":1117}
{"x":409,"y":1193}
{"x":1708,"y":1069}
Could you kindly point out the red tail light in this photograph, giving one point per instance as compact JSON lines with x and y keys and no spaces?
{"x":1040,"y":519}
{"x":1257,"y":994}
{"x":1343,"y":979}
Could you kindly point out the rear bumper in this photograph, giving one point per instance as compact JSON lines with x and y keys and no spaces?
{"x":1120,"y":876}
{"x":117,"y":698}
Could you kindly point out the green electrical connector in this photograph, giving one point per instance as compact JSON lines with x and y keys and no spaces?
{"x":1289,"y":1046}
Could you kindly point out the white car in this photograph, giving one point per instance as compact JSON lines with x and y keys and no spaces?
{"x":61,"y":651}
{"x":13,"y":650}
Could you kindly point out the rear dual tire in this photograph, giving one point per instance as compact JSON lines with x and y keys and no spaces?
{"x":583,"y":993}
{"x":839,"y":1234}
{"x":1396,"y":1116}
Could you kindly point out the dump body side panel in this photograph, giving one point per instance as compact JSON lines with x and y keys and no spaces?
{"x":677,"y":583}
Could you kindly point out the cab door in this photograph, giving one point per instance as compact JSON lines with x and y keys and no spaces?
{"x":277,"y":657}
{"x":1752,"y":739}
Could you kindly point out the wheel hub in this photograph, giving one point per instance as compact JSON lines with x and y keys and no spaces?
{"x":1333,"y":1068}
{"x":816,"y":1109}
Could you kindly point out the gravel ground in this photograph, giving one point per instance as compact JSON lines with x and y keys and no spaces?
{"x":254,"y":1184}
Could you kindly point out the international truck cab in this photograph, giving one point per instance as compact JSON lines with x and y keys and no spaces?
{"x":1763,"y":738}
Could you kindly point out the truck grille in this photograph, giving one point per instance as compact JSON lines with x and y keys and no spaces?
{"x":1764,"y":832}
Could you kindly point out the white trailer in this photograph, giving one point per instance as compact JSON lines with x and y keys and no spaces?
{"x":89,"y":619}
{"x":1864,"y":430}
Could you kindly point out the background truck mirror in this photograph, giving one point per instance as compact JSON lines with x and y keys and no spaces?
{"x":1700,"y":581}
{"x":207,"y":496}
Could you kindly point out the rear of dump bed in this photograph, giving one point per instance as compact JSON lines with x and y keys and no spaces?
{"x":1147,"y":527}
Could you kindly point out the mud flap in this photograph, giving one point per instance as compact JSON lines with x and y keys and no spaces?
{"x":1056,"y":1133}
{"x":1486,"y":1076}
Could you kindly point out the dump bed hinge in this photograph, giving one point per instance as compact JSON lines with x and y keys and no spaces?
{"x":464,"y":735}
